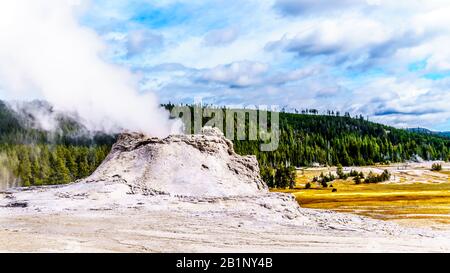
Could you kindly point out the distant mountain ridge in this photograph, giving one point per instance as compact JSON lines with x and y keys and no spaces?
{"x":429,"y":132}
{"x":37,"y":122}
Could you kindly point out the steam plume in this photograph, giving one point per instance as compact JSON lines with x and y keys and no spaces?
{"x":46,"y":54}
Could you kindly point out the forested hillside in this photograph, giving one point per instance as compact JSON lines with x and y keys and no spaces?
{"x":309,"y":138}
{"x":429,"y":132}
{"x":333,"y":140}
{"x":30,"y":156}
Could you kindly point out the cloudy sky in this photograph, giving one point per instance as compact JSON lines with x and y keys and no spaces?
{"x":389,"y":60}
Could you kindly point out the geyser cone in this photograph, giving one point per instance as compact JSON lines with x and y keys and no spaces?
{"x":185,"y":165}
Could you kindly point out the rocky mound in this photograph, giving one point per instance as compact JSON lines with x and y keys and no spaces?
{"x":204,"y":165}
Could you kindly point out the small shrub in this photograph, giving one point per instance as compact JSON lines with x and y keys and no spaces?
{"x":340,"y":172}
{"x":324,"y":179}
{"x":284,"y":177}
{"x":436,"y":167}
{"x":308,"y":186}
{"x":361,"y":174}
{"x":373,"y":178}
{"x":358,"y":178}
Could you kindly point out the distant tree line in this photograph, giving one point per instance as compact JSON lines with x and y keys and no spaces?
{"x":33,"y":157}
{"x":42,"y":164}
{"x":307,"y":138}
{"x":280,"y":177}
{"x":358,"y":177}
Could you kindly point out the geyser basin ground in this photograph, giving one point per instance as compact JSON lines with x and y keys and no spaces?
{"x":187,"y":193}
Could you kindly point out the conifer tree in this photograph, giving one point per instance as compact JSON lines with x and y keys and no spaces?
{"x":60,"y":173}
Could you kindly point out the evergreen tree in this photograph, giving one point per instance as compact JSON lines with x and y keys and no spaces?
{"x":60,"y":172}
{"x":24,"y":171}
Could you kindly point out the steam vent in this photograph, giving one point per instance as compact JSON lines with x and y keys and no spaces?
{"x":203,"y":165}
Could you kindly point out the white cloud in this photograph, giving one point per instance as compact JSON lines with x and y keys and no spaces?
{"x":141,"y":40}
{"x":305,"y":7}
{"x":347,"y":39}
{"x":403,"y":102}
{"x":239,"y":74}
{"x":350,"y":55}
{"x":294,"y":75}
{"x":219,"y":37}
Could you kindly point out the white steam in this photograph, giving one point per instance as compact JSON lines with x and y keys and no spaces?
{"x":46,"y":54}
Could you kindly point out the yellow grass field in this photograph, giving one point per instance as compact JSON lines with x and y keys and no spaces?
{"x":414,"y":197}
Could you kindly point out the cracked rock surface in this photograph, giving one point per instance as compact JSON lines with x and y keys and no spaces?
{"x":186,"y":165}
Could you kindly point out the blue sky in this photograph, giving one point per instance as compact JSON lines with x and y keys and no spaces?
{"x":388,"y":60}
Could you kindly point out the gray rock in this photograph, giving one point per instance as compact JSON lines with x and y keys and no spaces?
{"x":203,"y":165}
